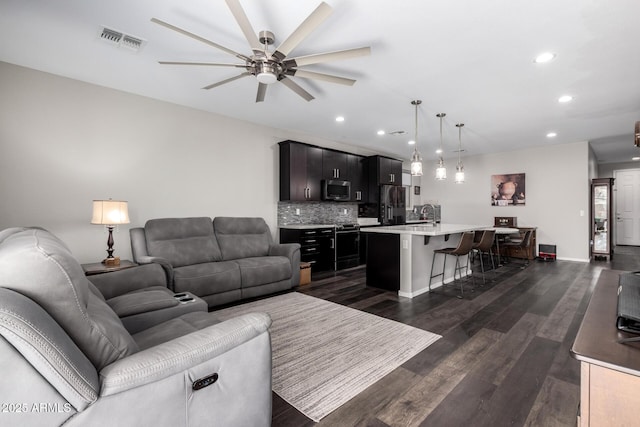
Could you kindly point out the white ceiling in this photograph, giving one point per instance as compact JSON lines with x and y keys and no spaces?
{"x":470,"y":59}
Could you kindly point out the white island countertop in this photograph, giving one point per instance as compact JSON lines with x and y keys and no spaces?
{"x":441,"y":229}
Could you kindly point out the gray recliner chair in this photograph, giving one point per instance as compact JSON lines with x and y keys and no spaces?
{"x":66,"y":358}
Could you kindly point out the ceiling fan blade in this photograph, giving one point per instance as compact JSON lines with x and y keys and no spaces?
{"x":262,"y":91}
{"x":212,"y":64}
{"x":296,"y":88}
{"x":316,"y":18}
{"x":200,"y":39}
{"x":220,"y":83}
{"x":327,"y":57}
{"x":245,"y":25}
{"x":325,"y":77}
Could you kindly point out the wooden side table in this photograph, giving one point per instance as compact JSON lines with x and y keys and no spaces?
{"x":100,"y":268}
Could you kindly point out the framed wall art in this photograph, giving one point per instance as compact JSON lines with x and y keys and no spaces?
{"x":508,"y":190}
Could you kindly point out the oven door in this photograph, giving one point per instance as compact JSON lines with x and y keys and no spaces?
{"x":347,"y":249}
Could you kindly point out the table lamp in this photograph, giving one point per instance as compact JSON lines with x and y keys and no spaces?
{"x":110,"y":213}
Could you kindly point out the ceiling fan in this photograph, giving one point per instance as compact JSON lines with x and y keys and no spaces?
{"x":270,"y":67}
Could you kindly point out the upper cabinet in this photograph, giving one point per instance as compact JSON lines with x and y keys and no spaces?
{"x":384,"y":171}
{"x":303,"y":167}
{"x":357,"y":174}
{"x":300,"y":172}
{"x":334,"y":165}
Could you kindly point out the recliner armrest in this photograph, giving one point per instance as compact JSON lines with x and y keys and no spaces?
{"x":166,"y":266}
{"x":284,"y":249}
{"x":291,"y":251}
{"x":130,"y":279}
{"x":175,"y":356}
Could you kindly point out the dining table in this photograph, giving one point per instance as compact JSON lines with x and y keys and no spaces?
{"x":501,"y":232}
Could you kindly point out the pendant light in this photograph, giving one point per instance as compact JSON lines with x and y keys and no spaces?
{"x":416,"y":159}
{"x":441,"y":171}
{"x":459,"y":168}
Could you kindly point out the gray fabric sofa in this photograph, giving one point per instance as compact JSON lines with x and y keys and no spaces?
{"x":68,"y":359}
{"x":221,"y":260}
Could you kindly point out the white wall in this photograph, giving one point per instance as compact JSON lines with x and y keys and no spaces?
{"x":64,"y":143}
{"x":557,"y":199}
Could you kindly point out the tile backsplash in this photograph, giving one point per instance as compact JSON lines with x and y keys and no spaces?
{"x":317,"y":213}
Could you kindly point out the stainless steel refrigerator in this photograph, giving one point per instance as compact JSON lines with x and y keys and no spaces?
{"x":393,"y":205}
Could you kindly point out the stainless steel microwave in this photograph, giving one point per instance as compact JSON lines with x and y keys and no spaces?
{"x":336,"y":190}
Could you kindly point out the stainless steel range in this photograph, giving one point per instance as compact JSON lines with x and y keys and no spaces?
{"x":347,"y":246}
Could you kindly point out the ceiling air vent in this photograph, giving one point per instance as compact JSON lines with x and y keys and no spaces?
{"x":121,"y":40}
{"x":110,"y":35}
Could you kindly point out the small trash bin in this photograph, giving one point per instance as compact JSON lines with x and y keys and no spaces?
{"x":305,"y":273}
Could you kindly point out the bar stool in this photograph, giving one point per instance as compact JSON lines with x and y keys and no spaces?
{"x":464,"y":248}
{"x":484,"y":247}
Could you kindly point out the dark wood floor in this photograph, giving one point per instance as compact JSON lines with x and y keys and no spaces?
{"x":503,"y":359}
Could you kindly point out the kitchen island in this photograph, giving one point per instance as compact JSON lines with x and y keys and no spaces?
{"x":399,"y":256}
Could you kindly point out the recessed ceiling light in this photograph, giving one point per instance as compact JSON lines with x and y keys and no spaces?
{"x":635,"y":158}
{"x":544,"y":57}
{"x":439,"y":151}
{"x":411,"y":142}
{"x":339,"y":119}
{"x":552,"y":135}
{"x":381,"y":132}
{"x":565,"y":98}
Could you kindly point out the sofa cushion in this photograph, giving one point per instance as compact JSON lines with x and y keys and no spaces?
{"x":242,"y":237}
{"x":182,"y":241}
{"x":258,"y":271}
{"x":38,"y":265}
{"x":207,"y":278}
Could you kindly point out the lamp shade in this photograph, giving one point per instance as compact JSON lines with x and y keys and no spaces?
{"x":110,"y":212}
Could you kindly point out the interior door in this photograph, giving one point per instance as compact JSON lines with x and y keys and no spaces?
{"x":627,"y":212}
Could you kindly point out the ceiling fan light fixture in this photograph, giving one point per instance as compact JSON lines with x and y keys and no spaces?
{"x":266,"y":73}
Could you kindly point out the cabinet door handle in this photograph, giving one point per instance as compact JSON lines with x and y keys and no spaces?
{"x":333,"y":243}
{"x":337,"y":173}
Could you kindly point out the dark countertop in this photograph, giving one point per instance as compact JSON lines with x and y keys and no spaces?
{"x":596,"y":341}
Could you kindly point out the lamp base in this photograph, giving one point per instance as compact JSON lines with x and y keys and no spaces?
{"x":111,"y":262}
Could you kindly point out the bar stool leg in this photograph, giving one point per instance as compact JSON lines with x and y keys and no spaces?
{"x":459,"y":274}
{"x":482,"y":267}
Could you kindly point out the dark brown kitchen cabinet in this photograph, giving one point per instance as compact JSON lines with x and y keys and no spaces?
{"x":385,"y":171}
{"x":317,"y":246}
{"x":300,"y":171}
{"x":334,"y":165}
{"x":357,"y":175}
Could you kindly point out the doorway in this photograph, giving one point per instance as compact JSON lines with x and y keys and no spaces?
{"x":627,"y":199}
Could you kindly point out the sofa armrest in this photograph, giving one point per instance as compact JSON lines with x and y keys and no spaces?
{"x":284,"y":249}
{"x":128,"y":280}
{"x":166,"y":266}
{"x":291,"y":251}
{"x":178,"y":355}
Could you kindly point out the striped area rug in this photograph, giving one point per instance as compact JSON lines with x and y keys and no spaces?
{"x":325,"y":354}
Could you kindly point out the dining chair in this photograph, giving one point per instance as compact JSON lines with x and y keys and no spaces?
{"x":520,"y":247}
